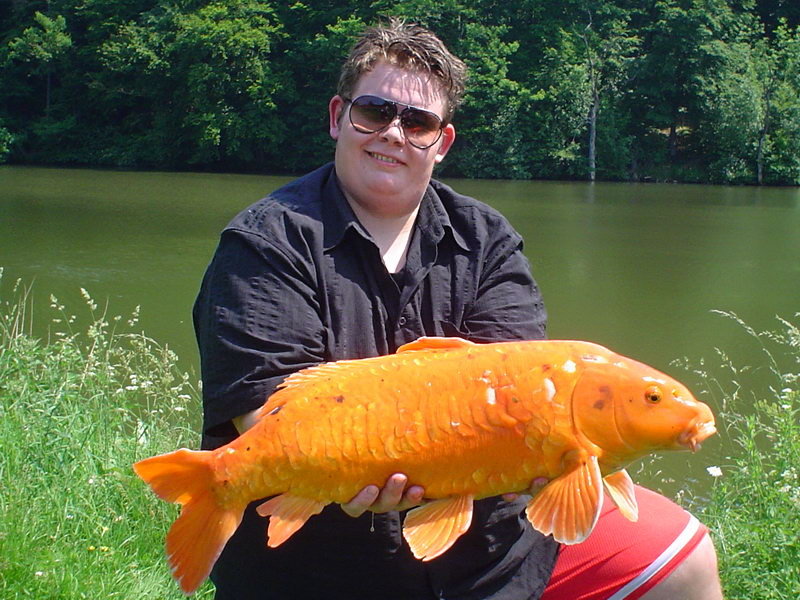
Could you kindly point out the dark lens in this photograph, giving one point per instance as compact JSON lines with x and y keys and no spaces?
{"x":370,"y":113}
{"x":421,"y":127}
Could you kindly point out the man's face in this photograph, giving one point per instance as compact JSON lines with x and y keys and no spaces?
{"x":381,"y":173}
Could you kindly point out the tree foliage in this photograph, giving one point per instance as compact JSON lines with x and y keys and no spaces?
{"x":691,"y":90}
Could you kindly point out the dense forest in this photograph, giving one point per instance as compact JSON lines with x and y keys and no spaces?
{"x":636,"y":90}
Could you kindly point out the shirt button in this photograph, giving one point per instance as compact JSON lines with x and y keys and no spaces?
{"x":402,"y":321}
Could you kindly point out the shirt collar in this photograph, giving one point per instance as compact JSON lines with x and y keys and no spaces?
{"x":434,"y":219}
{"x":338,"y":216}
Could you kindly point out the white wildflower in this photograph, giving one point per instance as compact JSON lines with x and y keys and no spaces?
{"x":91,"y":303}
{"x":714,"y":471}
{"x":141,"y":432}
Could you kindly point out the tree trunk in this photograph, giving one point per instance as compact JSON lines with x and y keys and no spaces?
{"x":47,"y":94}
{"x":593,"y":137}
{"x":673,"y":142}
{"x":762,"y":138}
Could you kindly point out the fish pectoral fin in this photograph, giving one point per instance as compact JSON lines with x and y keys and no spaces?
{"x":287,"y":514}
{"x":568,"y":507}
{"x":433,"y":343}
{"x":620,"y":487}
{"x":432,"y":528}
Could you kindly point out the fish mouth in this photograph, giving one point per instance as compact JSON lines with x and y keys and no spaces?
{"x":693,"y":438}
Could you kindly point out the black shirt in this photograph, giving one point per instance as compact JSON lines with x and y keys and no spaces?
{"x":296,"y":281}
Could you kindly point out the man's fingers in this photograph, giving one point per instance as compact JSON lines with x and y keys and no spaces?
{"x":413,"y":497}
{"x":362,"y":501}
{"x":392,"y":496}
{"x":535,"y":487}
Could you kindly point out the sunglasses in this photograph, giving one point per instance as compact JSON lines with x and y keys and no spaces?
{"x":369,"y":114}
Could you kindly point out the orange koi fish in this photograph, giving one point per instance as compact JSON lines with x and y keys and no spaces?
{"x":463,"y":420}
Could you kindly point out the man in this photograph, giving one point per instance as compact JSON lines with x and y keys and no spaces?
{"x":351,"y":261}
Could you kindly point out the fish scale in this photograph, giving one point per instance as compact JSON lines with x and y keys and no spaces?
{"x":462,"y":420}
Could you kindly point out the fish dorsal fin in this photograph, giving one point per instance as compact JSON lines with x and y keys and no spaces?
{"x":620,"y":487}
{"x":316,"y":374}
{"x":319,"y":373}
{"x":568,"y":507}
{"x":432,"y":528}
{"x":287,"y":514}
{"x":436,"y":343}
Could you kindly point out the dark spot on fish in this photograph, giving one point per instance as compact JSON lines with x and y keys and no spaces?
{"x":339,"y":399}
{"x":275,"y":410}
{"x":224,"y":482}
{"x":247,"y":449}
{"x":605,"y":394}
{"x":514,"y":399}
{"x":546,"y":367}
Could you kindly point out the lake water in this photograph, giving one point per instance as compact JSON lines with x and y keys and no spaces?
{"x":636,"y":267}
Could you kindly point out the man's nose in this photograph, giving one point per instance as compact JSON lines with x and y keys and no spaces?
{"x":393,"y":132}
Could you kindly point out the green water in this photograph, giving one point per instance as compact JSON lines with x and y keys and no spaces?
{"x":638,"y":268}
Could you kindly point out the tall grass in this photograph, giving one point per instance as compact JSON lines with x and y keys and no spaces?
{"x":76,"y":410}
{"x":754,"y":506}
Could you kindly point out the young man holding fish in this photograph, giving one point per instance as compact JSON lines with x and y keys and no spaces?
{"x":354,"y":260}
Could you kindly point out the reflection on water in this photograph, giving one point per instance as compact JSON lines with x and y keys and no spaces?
{"x":636,"y":267}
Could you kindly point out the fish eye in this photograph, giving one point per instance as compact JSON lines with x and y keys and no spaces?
{"x":652,"y":395}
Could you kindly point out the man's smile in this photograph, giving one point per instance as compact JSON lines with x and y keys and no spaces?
{"x":383,"y":158}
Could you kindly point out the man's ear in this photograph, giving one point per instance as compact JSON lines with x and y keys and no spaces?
{"x":335,"y":113}
{"x":448,"y":137}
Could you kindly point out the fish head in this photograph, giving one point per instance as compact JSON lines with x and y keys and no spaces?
{"x":630,"y":409}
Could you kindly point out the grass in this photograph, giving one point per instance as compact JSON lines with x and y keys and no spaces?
{"x":77,"y":408}
{"x":753,"y":509}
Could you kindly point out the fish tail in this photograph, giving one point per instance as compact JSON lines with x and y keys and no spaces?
{"x":202,"y":529}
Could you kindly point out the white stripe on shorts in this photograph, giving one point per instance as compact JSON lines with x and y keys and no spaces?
{"x":688,"y":532}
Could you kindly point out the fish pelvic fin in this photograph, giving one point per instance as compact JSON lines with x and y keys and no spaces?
{"x":620,"y":487}
{"x":432,"y":528}
{"x":568,"y":507}
{"x":198,"y":535}
{"x":287,"y":514}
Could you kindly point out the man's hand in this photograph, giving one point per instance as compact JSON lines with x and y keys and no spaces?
{"x":536,"y":486}
{"x":245,"y":421}
{"x":393,"y":496}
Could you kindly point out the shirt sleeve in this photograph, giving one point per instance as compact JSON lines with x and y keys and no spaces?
{"x":508,"y":304}
{"x":257,"y":320}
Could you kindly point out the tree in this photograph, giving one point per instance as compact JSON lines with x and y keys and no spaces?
{"x":610,"y":47}
{"x":197,"y":82}
{"x":42,"y":46}
{"x":5,"y":142}
{"x":777,"y":67}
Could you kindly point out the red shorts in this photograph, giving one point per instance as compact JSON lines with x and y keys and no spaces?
{"x":621,"y":559}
